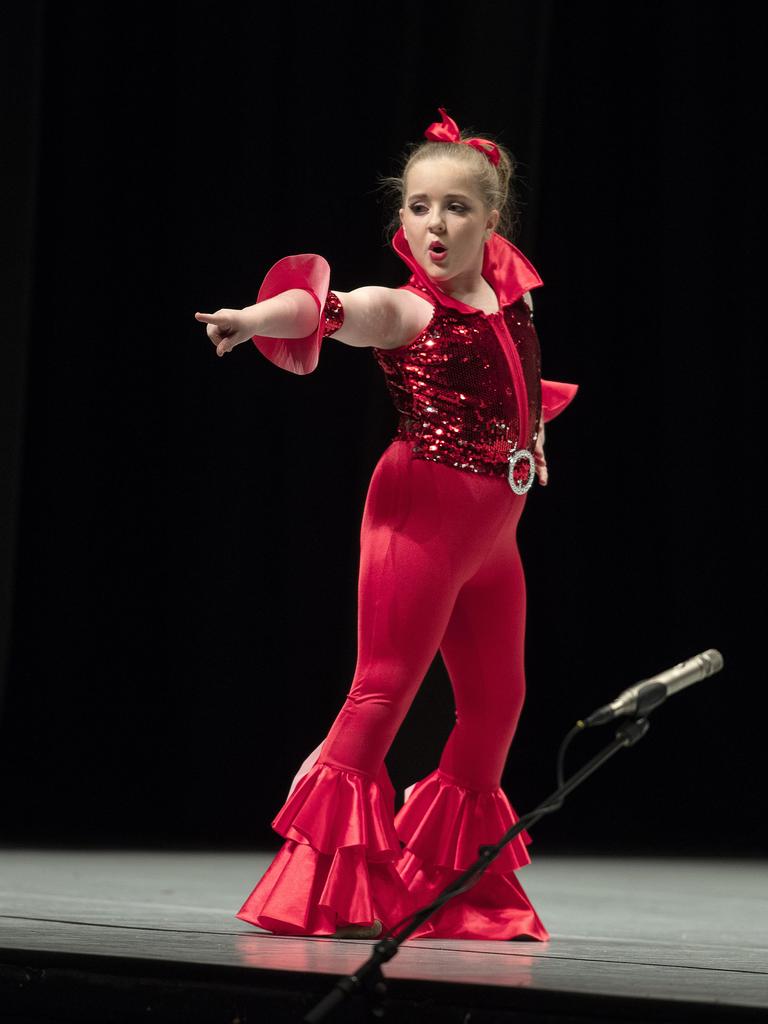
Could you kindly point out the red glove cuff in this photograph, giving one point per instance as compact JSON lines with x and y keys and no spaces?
{"x":312,"y":273}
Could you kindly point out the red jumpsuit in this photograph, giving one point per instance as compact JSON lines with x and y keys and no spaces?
{"x":439,"y":570}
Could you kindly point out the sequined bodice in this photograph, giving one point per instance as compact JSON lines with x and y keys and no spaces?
{"x":459,"y":386}
{"x":468,"y":389}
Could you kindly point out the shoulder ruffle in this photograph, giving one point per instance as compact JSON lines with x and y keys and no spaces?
{"x":555,"y":396}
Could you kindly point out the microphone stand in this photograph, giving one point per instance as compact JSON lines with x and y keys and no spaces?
{"x":368,"y":978}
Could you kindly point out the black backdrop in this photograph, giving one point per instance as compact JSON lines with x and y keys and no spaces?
{"x":181,"y":559}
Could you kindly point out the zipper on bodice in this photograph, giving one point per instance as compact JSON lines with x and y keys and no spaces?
{"x":500,"y":329}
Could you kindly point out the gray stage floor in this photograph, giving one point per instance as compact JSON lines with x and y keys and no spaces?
{"x":688,"y":929}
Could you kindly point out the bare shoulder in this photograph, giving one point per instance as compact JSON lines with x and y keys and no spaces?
{"x":528,"y":300}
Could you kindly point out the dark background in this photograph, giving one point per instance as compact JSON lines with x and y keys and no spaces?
{"x":180,"y":555}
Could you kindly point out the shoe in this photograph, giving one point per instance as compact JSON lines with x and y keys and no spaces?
{"x":360,"y":931}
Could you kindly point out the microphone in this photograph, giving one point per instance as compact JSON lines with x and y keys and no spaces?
{"x":646,"y":695}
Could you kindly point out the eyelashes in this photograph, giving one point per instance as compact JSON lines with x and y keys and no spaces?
{"x":461,"y":208}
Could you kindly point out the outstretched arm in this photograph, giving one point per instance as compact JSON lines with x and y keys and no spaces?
{"x":373,"y":317}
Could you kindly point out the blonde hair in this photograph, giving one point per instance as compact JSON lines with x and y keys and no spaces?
{"x":495,"y":184}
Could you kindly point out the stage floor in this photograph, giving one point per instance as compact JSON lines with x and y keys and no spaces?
{"x":687,"y":931}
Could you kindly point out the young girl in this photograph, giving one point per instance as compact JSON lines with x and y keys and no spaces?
{"x":439,"y":563}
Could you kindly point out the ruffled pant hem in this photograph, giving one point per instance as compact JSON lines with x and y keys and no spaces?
{"x":304,"y":892}
{"x":442,"y":825}
{"x":495,"y":908}
{"x":337,"y":865}
{"x":342,"y":862}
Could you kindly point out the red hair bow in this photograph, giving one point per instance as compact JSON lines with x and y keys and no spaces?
{"x":448,"y":131}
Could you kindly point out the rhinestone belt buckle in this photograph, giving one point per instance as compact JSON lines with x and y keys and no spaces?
{"x":521,"y":471}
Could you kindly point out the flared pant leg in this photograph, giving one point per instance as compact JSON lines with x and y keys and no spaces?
{"x":427,"y":529}
{"x":461,"y":806}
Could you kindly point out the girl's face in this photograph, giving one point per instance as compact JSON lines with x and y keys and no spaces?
{"x":442,"y":207}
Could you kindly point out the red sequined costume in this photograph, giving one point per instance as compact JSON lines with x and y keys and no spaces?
{"x":439,"y":570}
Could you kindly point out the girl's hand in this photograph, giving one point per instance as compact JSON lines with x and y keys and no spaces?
{"x":226,"y":328}
{"x":538,"y":456}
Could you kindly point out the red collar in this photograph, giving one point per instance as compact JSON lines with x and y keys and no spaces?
{"x":506,"y":270}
